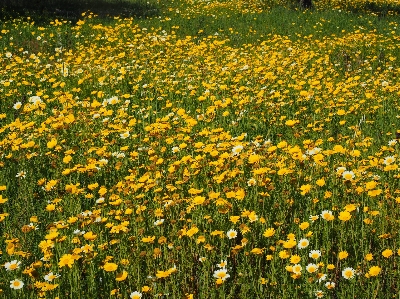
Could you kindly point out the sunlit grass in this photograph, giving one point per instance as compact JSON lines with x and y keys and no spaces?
{"x":189,"y":155}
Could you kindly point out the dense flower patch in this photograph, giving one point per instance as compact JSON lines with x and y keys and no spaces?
{"x":137,"y":163}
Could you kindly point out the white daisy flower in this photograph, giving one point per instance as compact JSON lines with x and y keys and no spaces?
{"x":13,"y":265}
{"x":232,"y":234}
{"x":16,"y":284}
{"x":303,"y":243}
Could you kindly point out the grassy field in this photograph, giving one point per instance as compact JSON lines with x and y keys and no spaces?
{"x":200,"y":149}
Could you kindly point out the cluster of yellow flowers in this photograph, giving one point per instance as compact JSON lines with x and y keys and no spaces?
{"x":135,"y":160}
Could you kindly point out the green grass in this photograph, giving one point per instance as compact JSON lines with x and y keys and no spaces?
{"x":240,"y":116}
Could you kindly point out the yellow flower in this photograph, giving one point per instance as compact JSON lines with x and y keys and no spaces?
{"x":290,"y":122}
{"x":295,"y":259}
{"x":52,"y":143}
{"x":192,"y":231}
{"x":341,"y":112}
{"x":370,"y":185}
{"x":291,"y":236}
{"x":374,"y":271}
{"x":198,"y":200}
{"x":110,"y":267}
{"x":124,"y":262}
{"x":344,"y":216}
{"x":162,"y":240}
{"x":387,"y":253}
{"x":93,"y":186}
{"x":289,"y":268}
{"x":234,"y":219}
{"x":368,"y":221}
{"x":304,"y":225}
{"x":290,"y":243}
{"x":305,"y":189}
{"x":200,"y":239}
{"x":254,"y":159}
{"x":50,"y":207}
{"x":67,"y":159}
{"x":330,"y":266}
{"x":257,"y":251}
{"x":66,"y":260}
{"x":162,"y":274}
{"x":304,"y":93}
{"x":350,"y":207}
{"x":102,"y":191}
{"x":269,"y":232}
{"x":343,"y":255}
{"x":121,"y":276}
{"x":284,"y":254}
{"x":369,"y":257}
{"x":148,"y":239}
{"x":146,"y":289}
{"x":89,"y":236}
{"x":2,"y":200}
{"x":240,"y":194}
{"x":252,"y":216}
{"x":374,"y":193}
{"x":52,"y":235}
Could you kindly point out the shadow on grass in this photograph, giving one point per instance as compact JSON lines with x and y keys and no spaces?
{"x":379,"y":9}
{"x":369,"y":6}
{"x":44,"y":10}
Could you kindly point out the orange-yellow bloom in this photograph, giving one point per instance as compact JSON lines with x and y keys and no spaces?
{"x":110,"y":267}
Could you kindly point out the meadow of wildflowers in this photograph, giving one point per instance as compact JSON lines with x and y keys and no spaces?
{"x":213,"y":151}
